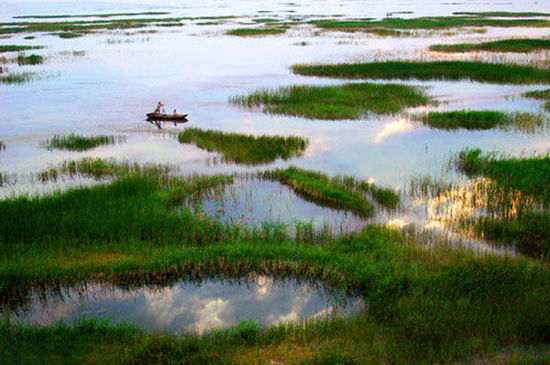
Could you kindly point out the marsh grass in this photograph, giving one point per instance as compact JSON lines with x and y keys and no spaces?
{"x":15,"y":48}
{"x":244,"y":32}
{"x":343,"y":193}
{"x":349,"y":101}
{"x":69,"y":35}
{"x":501,"y":14}
{"x":245,"y":149}
{"x":32,"y":59}
{"x":541,"y":95}
{"x":426,"y":23}
{"x":439,"y":70}
{"x":18,"y":78}
{"x":505,"y":45}
{"x":480,"y":120}
{"x":75,"y":142}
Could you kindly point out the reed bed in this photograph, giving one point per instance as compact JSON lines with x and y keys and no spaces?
{"x":16,"y":48}
{"x":243,"y":148}
{"x":480,"y":120}
{"x":349,"y":101}
{"x":73,"y":142}
{"x":439,"y":70}
{"x":245,"y":32}
{"x":501,"y":14}
{"x":32,"y":59}
{"x":505,"y":45}
{"x":540,"y":95}
{"x":18,"y":78}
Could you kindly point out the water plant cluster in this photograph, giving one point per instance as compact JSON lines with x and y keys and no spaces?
{"x":17,"y":48}
{"x":243,"y":148}
{"x":520,"y":45}
{"x":73,"y":142}
{"x":243,"y":32}
{"x":32,"y":59}
{"x":540,"y":95}
{"x":348,"y":101}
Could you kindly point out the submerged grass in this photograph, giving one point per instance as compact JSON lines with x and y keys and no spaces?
{"x":349,"y":101}
{"x":16,"y":48}
{"x":505,"y":45}
{"x":243,"y":32}
{"x":245,"y":149}
{"x":427,"y":23}
{"x":18,"y":78}
{"x":541,"y":95}
{"x":479,"y":120}
{"x":74,"y":142}
{"x":32,"y":59}
{"x":439,"y":70}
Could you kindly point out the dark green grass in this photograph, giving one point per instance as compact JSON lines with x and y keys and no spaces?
{"x":18,"y":78}
{"x":243,"y":32}
{"x":32,"y":59}
{"x":480,"y":120}
{"x":265,"y":20}
{"x":524,"y":222}
{"x":440,"y":70}
{"x":243,"y":148}
{"x":74,"y":142}
{"x":427,"y":23}
{"x":108,"y":15}
{"x":15,"y":48}
{"x":350,"y":101}
{"x":541,"y":95}
{"x":501,"y":14}
{"x":69,"y":35}
{"x":506,"y":45}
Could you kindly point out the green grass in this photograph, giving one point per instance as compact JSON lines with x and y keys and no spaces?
{"x":479,"y":120}
{"x":265,"y":20}
{"x":32,"y":59}
{"x":244,"y":32}
{"x":427,"y":23}
{"x":243,"y":148}
{"x":439,"y":70}
{"x":69,"y":35}
{"x":108,"y":15}
{"x":74,"y":142}
{"x":15,"y":48}
{"x":350,"y":101}
{"x":501,"y":14}
{"x":506,"y":45}
{"x":18,"y":78}
{"x":541,"y":95}
{"x":523,"y":194}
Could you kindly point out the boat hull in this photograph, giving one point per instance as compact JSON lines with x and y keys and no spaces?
{"x":168,"y":117}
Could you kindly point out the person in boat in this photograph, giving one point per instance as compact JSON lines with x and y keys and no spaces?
{"x":175,"y":112}
{"x":160,"y":106}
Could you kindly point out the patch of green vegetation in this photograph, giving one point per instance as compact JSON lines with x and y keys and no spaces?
{"x":14,"y":48}
{"x":349,"y":101}
{"x":32,"y":59}
{"x":29,"y":37}
{"x":243,"y":148}
{"x":501,"y":14}
{"x":439,"y":70}
{"x":265,"y":20}
{"x":525,"y":185}
{"x":506,"y":45}
{"x":108,"y":15}
{"x":478,"y":120}
{"x":427,"y":23}
{"x":541,"y":95}
{"x":18,"y":78}
{"x":74,"y":142}
{"x":68,"y":35}
{"x":243,"y":32}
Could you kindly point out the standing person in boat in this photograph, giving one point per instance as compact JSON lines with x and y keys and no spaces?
{"x":160,"y":106}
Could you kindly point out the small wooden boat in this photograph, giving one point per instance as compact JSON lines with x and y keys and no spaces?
{"x":169,"y":117}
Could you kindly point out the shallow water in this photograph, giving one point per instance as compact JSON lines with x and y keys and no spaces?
{"x":189,"y":307}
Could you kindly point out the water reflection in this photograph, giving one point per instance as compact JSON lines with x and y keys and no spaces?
{"x":189,"y":307}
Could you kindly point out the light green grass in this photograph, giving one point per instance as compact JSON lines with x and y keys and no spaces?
{"x":18,"y":78}
{"x":75,"y":142}
{"x":506,"y":45}
{"x":244,"y":32}
{"x":243,"y":148}
{"x":32,"y":59}
{"x":349,"y":101}
{"x":439,"y":70}
{"x":16,"y":48}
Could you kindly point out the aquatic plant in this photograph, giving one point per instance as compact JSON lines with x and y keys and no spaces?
{"x":438,"y":70}
{"x":243,"y":32}
{"x":501,"y":14}
{"x":68,"y":35}
{"x":478,"y":120}
{"x":349,"y":101}
{"x":73,"y":142}
{"x":541,"y":95}
{"x":15,"y":48}
{"x":506,"y":45}
{"x":32,"y":59}
{"x":243,"y":148}
{"x":18,"y":78}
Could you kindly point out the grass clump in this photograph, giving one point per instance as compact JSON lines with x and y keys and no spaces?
{"x":350,"y":101}
{"x":438,"y":70}
{"x":426,"y":23}
{"x":69,"y":35}
{"x":74,"y":142}
{"x":506,"y":45}
{"x":541,"y":95}
{"x":480,"y":120}
{"x":18,"y":78}
{"x":245,"y":149}
{"x":244,"y":32}
{"x":15,"y":48}
{"x":501,"y":14}
{"x":32,"y":59}
{"x":523,"y":192}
